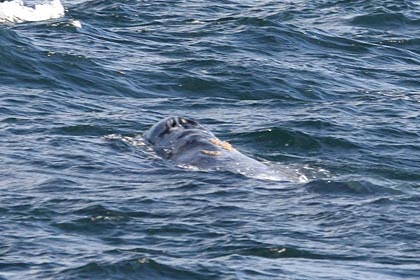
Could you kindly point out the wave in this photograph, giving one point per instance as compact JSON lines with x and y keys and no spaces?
{"x":136,"y":268}
{"x":16,"y":11}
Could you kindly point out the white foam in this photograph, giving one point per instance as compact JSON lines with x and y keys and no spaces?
{"x":16,"y":11}
{"x":76,"y":23}
{"x":135,"y":141}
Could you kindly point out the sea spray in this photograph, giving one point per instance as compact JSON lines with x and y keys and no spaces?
{"x":16,"y":11}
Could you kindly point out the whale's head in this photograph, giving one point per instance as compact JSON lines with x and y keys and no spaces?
{"x":173,"y":134}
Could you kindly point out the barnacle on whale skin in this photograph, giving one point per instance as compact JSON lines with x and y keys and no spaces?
{"x":211,"y":153}
{"x":223,"y":144}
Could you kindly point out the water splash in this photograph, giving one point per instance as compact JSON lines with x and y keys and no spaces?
{"x":134,"y":141}
{"x":16,"y":11}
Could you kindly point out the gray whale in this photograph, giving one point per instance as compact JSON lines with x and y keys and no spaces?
{"x":187,"y":143}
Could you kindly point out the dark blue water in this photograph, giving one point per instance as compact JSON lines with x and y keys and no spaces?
{"x":329,"y":89}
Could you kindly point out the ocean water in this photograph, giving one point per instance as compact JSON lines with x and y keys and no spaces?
{"x":327,"y":89}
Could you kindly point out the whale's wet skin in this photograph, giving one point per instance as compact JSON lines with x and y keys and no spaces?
{"x":189,"y":144}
